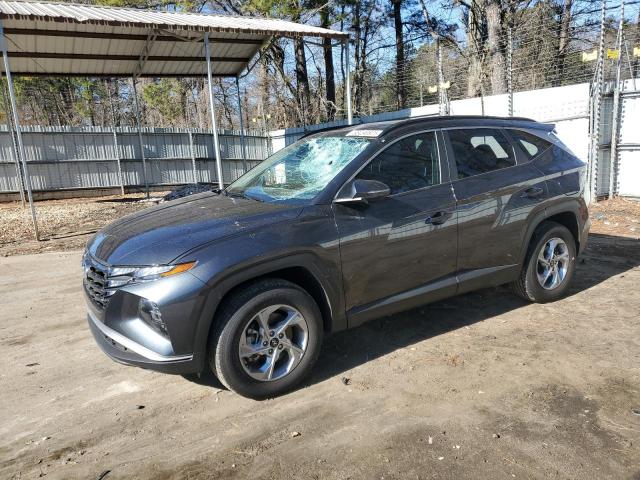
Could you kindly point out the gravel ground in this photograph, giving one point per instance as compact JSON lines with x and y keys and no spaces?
{"x":479,"y":386}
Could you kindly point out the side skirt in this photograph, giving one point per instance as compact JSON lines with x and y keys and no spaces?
{"x":432,"y":292}
{"x":486,"y":277}
{"x":446,"y":287}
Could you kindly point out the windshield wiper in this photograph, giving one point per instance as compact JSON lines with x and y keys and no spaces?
{"x":241,"y":195}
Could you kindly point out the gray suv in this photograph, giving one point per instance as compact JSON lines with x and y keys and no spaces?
{"x":343,"y":226}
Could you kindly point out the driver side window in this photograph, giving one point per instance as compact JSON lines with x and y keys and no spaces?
{"x":408,"y":164}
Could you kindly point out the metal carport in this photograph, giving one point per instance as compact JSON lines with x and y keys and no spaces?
{"x":56,"y":39}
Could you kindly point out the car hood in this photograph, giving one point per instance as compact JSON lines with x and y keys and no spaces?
{"x":162,"y":233}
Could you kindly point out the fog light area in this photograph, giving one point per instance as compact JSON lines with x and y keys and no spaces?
{"x":149,"y":312}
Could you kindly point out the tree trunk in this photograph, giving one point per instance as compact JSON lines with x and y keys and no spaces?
{"x":475,"y":44}
{"x":358,"y":53}
{"x":635,"y":69}
{"x":330,"y":81}
{"x":397,"y":22}
{"x":496,"y":47}
{"x":563,"y":39}
{"x":302,"y":78}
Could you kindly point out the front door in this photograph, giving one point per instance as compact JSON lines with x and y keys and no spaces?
{"x":399,"y":251}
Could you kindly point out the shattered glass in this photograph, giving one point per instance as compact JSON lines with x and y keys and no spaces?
{"x":299,"y":171}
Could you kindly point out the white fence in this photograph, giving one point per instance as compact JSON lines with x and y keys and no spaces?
{"x":629,"y":146}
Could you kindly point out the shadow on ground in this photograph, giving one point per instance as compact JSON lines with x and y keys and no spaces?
{"x":605,"y":257}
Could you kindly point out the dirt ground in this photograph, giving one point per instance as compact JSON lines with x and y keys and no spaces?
{"x":479,"y":386}
{"x":63,"y":224}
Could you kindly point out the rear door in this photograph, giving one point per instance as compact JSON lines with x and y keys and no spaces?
{"x":496,"y":190}
{"x":400,"y":250}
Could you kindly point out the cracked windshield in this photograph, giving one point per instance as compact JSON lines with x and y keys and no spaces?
{"x":300,"y":171}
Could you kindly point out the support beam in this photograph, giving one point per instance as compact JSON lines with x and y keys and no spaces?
{"x":141,"y":143}
{"x":16,"y":122}
{"x":192,"y":152}
{"x":169,"y":37}
{"x":242,"y":139}
{"x":50,"y":74}
{"x":14,"y":145}
{"x":116,"y":152}
{"x":122,"y":58}
{"x":214,"y":125}
{"x":348,"y":82}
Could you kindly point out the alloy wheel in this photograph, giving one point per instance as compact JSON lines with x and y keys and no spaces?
{"x":553,"y":263}
{"x":273,"y":342}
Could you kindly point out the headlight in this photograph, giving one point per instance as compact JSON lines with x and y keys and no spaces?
{"x":120,"y":276}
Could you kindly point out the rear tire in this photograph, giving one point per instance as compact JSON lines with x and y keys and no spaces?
{"x":266,"y":339}
{"x":549,"y":264}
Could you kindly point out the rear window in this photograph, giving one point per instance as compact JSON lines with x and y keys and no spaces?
{"x":532,"y":145}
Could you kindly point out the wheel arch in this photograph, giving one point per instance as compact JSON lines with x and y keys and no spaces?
{"x":301,"y":273}
{"x":298,"y":275}
{"x":565,"y":214}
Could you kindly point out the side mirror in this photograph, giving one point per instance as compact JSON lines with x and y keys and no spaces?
{"x":362,"y":190}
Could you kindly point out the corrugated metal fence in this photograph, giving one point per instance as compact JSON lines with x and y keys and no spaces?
{"x":71,"y":158}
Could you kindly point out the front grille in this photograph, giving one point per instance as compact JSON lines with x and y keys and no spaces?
{"x":96,"y":282}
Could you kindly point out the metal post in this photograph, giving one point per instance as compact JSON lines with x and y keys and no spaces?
{"x":14,"y":145}
{"x":596,"y":110}
{"x":510,"y":71}
{"x":192,"y":151}
{"x":214,"y":126}
{"x":613,"y":160}
{"x":242,"y":141}
{"x":16,"y":122}
{"x":594,"y":113}
{"x":117,"y":157}
{"x":144,"y":160}
{"x":348,"y":83}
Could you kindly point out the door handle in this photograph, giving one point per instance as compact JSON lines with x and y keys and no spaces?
{"x":438,"y":218}
{"x":533,"y":192}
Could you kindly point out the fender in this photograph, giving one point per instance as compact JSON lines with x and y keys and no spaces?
{"x":226,"y":281}
{"x":562,"y":205}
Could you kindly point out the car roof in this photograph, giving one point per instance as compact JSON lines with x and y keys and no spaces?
{"x":381,"y":128}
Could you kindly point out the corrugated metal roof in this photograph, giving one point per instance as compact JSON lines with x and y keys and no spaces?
{"x":166,"y":20}
{"x":71,"y":39}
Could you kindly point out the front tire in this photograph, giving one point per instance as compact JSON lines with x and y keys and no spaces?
{"x":266,"y":338}
{"x":549,"y":264}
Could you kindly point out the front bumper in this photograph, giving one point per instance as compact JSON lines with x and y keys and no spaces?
{"x":128,"y":337}
{"x":126,"y":351}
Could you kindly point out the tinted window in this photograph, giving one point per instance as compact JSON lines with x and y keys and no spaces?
{"x":480,"y":150}
{"x":532,"y":145}
{"x":408,"y":164}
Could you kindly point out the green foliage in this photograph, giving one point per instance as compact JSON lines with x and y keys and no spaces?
{"x":276,"y":8}
{"x":166,"y":96}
